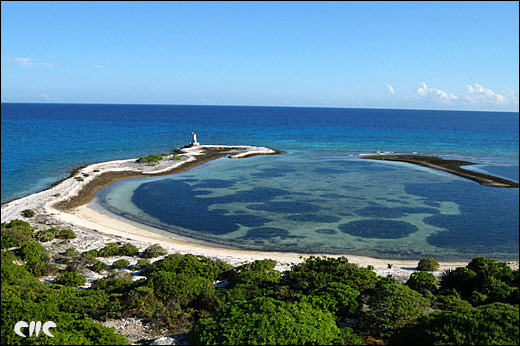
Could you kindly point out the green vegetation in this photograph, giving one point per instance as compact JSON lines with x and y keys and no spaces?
{"x":420,"y":281}
{"x":28,"y":213}
{"x":154,"y":250}
{"x":428,"y":264}
{"x":120,"y":263}
{"x":266,"y":321}
{"x":141,"y":263}
{"x":394,"y":306}
{"x":78,"y":178}
{"x":36,"y":258}
{"x":16,"y":233}
{"x":150,"y":158}
{"x":252,"y":303}
{"x":68,"y":278}
{"x":65,"y":234}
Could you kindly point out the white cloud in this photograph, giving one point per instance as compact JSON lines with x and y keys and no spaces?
{"x":391,"y":89}
{"x":99,"y":66}
{"x":47,"y":98}
{"x":479,"y":94}
{"x":27,"y":62}
{"x":437,"y":94}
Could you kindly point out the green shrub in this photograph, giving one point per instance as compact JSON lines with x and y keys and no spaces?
{"x":154,"y":250}
{"x":150,"y":158}
{"x":111,"y":249}
{"x":266,"y":321}
{"x":28,"y":213}
{"x":98,"y":266}
{"x":141,"y":301}
{"x":96,"y":170}
{"x":44,"y":235}
{"x":428,"y":264}
{"x":57,"y":195}
{"x":89,"y":257}
{"x":35,"y":257}
{"x":422,"y":280}
{"x":114,"y":283}
{"x":196,"y":266}
{"x":394,"y":306}
{"x":68,"y":278}
{"x":338,"y":298}
{"x":72,"y":253}
{"x":12,"y":272}
{"x":67,"y":307}
{"x":316,"y":272}
{"x":128,"y":250}
{"x":85,"y":174}
{"x":16,"y":233}
{"x":483,"y":281}
{"x":494,"y":324}
{"x":120,"y":263}
{"x":65,"y":234}
{"x":180,"y":288}
{"x":141,"y":263}
{"x":78,"y":178}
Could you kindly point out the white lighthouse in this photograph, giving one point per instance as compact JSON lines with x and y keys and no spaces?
{"x":194,"y":142}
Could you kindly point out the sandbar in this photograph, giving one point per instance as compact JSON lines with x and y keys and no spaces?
{"x":450,"y":166}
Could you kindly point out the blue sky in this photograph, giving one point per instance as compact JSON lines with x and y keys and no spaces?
{"x":421,"y":55}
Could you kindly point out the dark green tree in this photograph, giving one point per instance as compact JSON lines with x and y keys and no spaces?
{"x":266,"y":321}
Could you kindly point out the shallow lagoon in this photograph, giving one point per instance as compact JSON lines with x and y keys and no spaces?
{"x":314,"y":203}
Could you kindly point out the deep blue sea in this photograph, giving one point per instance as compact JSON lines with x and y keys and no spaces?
{"x":319,"y":196}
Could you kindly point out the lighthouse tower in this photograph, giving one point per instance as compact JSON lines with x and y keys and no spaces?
{"x":194,"y":142}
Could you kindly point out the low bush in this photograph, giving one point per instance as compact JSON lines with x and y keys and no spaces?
{"x":266,"y":321}
{"x":111,"y":249}
{"x":120,"y":263}
{"x":36,"y":258}
{"x":154,"y":250}
{"x":428,"y":264}
{"x":98,"y":266}
{"x":394,"y":306}
{"x":150,"y":158}
{"x":422,"y":280}
{"x":128,"y":250}
{"x":16,"y":233}
{"x":28,"y":213}
{"x":78,"y":178}
{"x":71,"y":253}
{"x":44,"y":235}
{"x":70,"y":278}
{"x":65,"y":234}
{"x":141,"y":263}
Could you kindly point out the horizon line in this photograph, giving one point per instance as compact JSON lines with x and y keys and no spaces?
{"x":266,"y":106}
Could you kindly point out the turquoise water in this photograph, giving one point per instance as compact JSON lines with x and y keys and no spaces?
{"x":318,"y":197}
{"x":314,"y":204}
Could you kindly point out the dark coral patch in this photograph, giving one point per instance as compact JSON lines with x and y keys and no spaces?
{"x":314,"y":218}
{"x":326,"y":231}
{"x":374,"y":228}
{"x":269,"y":232}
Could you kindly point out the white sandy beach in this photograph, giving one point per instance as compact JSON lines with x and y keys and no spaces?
{"x":94,"y":229}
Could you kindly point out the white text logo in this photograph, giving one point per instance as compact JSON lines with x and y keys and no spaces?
{"x":34,"y":328}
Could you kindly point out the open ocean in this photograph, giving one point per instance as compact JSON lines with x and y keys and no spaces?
{"x":319,"y":197}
